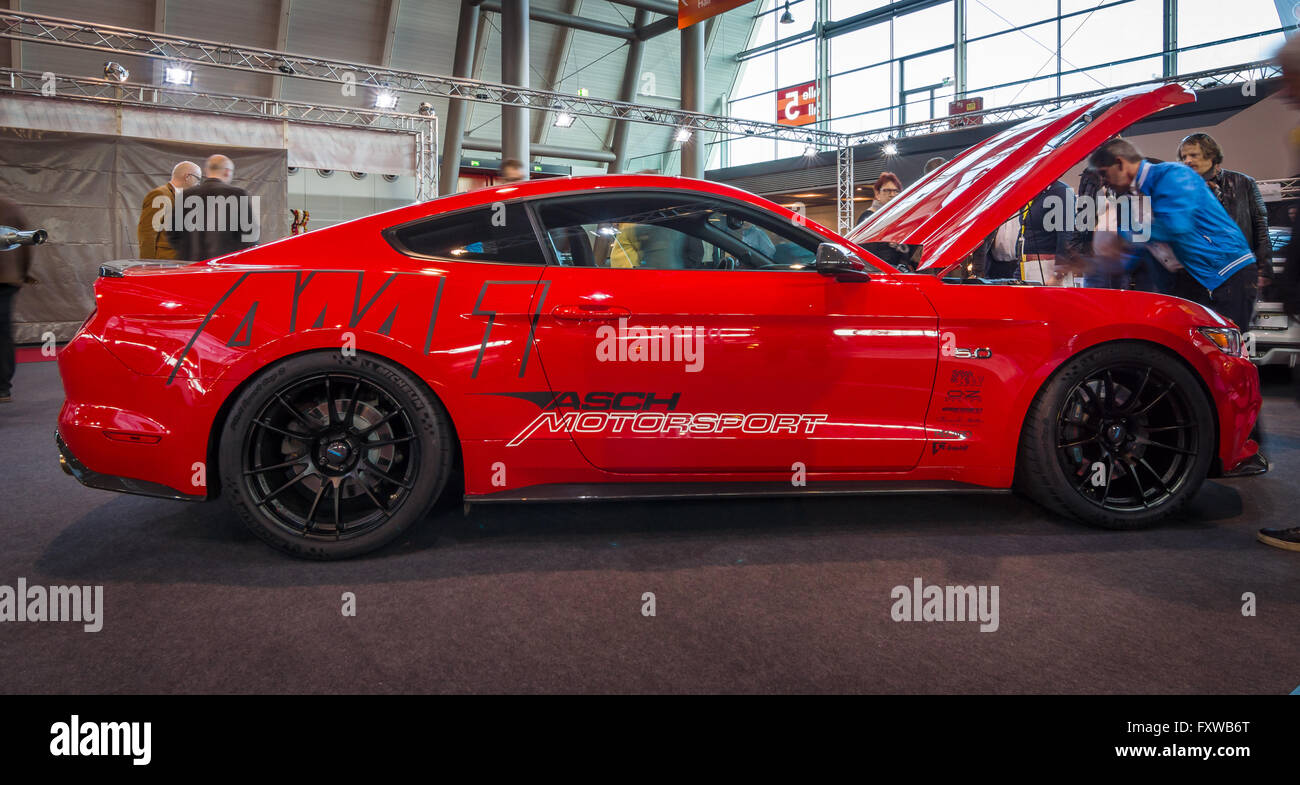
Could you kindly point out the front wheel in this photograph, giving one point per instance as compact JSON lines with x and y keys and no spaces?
{"x":1121,"y":437}
{"x":326,"y":456}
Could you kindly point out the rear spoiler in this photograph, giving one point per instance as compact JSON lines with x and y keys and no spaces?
{"x":118,"y":268}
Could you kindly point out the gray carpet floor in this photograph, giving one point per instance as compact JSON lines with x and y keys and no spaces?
{"x":751,"y":596}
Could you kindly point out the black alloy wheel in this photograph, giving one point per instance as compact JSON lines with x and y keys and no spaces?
{"x":327,"y":456}
{"x":330,"y":456}
{"x":1121,"y":437}
{"x":1127,"y":437}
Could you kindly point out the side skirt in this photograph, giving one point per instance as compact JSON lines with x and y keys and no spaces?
{"x":581,"y":492}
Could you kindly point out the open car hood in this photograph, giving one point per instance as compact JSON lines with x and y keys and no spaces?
{"x":952,"y":209}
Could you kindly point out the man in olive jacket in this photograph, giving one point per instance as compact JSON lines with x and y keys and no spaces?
{"x":151,"y":230}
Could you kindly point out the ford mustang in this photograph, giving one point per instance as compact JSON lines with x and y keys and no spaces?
{"x":620,"y":337}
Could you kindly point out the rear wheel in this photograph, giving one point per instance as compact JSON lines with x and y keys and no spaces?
{"x":1121,"y":437}
{"x":326,"y":456}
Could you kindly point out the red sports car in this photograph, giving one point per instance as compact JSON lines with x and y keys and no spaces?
{"x":638,"y":336}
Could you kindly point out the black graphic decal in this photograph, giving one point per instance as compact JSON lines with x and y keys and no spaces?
{"x":356,"y":302}
{"x":244,"y":332}
{"x":299,"y":285}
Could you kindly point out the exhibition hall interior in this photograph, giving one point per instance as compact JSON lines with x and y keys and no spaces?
{"x":649,"y":346}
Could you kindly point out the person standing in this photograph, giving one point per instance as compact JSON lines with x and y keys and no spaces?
{"x":1187,"y":217}
{"x":15,"y":270}
{"x":215,"y":196}
{"x":1238,"y":194}
{"x":886,"y":187}
{"x":149,"y":230}
{"x":1288,"y":538}
{"x":512,"y":171}
{"x":933,"y":163}
{"x":1095,"y":272}
{"x":1047,"y":237}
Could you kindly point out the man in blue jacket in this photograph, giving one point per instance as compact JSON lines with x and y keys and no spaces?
{"x":1186,"y":215}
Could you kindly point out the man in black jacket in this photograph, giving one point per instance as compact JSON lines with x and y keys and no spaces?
{"x":1237,"y":193}
{"x":217,"y":218}
{"x":1047,"y":236}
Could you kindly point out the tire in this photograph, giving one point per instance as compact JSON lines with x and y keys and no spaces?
{"x":1121,"y":437}
{"x":331,"y":482}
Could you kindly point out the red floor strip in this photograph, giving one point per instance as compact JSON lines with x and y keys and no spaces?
{"x":32,"y":354}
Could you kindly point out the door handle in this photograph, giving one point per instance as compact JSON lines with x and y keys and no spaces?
{"x":589,"y":312}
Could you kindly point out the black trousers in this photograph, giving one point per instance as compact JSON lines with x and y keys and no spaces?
{"x":1235,"y":298}
{"x":7,"y":292}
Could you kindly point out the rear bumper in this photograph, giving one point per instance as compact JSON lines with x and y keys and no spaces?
{"x":107,"y":482}
{"x":124,"y":431}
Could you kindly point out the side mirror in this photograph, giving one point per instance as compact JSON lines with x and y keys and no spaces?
{"x":834,"y":259}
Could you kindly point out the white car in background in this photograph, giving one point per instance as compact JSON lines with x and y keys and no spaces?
{"x":1274,"y":338}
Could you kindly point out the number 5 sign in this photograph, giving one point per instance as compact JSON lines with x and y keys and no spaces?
{"x":797,"y":105}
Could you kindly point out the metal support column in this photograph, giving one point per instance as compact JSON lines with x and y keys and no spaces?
{"x":627,"y":94}
{"x":692,"y":97}
{"x":844,"y":188}
{"x":514,"y":71}
{"x":959,"y":50}
{"x":1171,"y":38}
{"x":824,"y":64}
{"x":426,"y":161}
{"x":466,"y":37}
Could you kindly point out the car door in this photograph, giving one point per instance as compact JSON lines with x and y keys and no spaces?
{"x":687,"y":333}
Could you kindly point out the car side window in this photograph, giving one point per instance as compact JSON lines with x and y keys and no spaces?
{"x":499,"y":233}
{"x":665,"y":231}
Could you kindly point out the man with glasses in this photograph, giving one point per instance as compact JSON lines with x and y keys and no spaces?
{"x":153,"y":239}
{"x":1187,"y":217}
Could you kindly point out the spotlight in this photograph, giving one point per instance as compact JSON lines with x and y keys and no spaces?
{"x":682,"y":136}
{"x":563,"y":120}
{"x":787,"y":18}
{"x":809,"y":149}
{"x":283,"y":67}
{"x":426,"y":108}
{"x":889,"y":148}
{"x":115,"y":71}
{"x":386,"y":99}
{"x":177,"y":74}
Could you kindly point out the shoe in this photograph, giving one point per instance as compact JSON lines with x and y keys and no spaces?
{"x":1286,"y":539}
{"x":6,"y":397}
